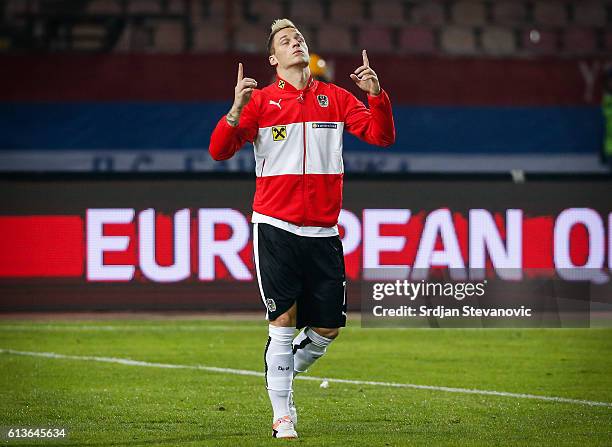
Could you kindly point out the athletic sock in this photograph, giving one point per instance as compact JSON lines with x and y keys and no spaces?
{"x":308,"y":346}
{"x":279,"y":368}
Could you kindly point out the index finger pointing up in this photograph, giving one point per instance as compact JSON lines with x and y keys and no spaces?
{"x":366,"y":62}
{"x":240,"y":75}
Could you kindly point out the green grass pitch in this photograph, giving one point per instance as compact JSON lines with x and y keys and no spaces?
{"x":109,"y":404}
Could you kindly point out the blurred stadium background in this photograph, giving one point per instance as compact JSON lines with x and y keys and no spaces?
{"x":109,"y":105}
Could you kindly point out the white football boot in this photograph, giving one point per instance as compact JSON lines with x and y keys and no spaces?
{"x":292,"y":410}
{"x":283,"y":428}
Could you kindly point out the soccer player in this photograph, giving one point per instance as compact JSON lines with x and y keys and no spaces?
{"x":296,"y":125}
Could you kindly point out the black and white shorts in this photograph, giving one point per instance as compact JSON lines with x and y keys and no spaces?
{"x":306,"y":270}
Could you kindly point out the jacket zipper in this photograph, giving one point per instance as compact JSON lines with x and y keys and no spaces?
{"x":304,"y":183}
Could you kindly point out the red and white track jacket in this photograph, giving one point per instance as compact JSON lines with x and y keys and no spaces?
{"x":297,"y":137}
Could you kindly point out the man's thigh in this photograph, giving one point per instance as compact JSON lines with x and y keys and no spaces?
{"x":278,"y":267}
{"x":323,"y":304}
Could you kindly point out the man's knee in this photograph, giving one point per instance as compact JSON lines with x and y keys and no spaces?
{"x":288,"y":319}
{"x":327,"y":332}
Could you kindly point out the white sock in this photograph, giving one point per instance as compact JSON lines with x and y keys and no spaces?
{"x":308,"y":346}
{"x":279,"y":368}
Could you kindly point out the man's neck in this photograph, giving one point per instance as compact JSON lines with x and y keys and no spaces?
{"x":296,"y":76}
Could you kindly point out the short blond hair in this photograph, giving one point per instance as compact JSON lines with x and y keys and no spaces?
{"x":278,"y":25}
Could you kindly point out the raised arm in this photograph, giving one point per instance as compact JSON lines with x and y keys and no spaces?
{"x":239,"y":125}
{"x":374,"y":125}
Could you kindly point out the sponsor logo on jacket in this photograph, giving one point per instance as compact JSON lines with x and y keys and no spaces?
{"x":279,"y":133}
{"x":324,"y":125}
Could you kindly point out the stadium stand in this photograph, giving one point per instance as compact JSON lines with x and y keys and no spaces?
{"x":417,"y":39}
{"x":469,"y":13}
{"x":389,"y":13}
{"x":578,"y":40}
{"x":591,"y":13}
{"x":335,"y":39}
{"x":453,"y":27}
{"x":608,"y":41}
{"x":250,"y":38}
{"x":527,"y":71}
{"x":144,"y":7}
{"x":104,"y":7}
{"x":509,"y":13}
{"x":550,"y":13}
{"x":309,"y":13}
{"x":348,"y":12}
{"x":376,"y":37}
{"x":259,"y":11}
{"x":498,"y":41}
{"x":458,"y":40}
{"x":427,"y":13}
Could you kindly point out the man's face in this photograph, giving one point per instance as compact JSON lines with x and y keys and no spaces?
{"x":289,"y":49}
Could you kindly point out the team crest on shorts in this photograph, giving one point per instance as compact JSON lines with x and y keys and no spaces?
{"x":323,"y":101}
{"x":270,"y":304}
{"x":279,"y":133}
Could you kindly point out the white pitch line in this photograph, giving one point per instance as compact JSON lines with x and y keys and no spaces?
{"x":126,"y":328}
{"x":51,"y":327}
{"x":246,"y":372}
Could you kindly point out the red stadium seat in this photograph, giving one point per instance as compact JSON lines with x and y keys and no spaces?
{"x":212,"y":10}
{"x":428,"y":13}
{"x":390,"y":12}
{"x":550,"y":12}
{"x":590,"y":13}
{"x":458,"y":40}
{"x":251,"y":38}
{"x":170,"y":37}
{"x":375,"y":38}
{"x":261,"y":11}
{"x":347,"y":12}
{"x":307,"y":12}
{"x":498,"y":41}
{"x":417,"y":39}
{"x":210,"y":38}
{"x":209,"y":21}
{"x":509,"y":12}
{"x":580,"y":40}
{"x":468,"y":12}
{"x":335,"y":39}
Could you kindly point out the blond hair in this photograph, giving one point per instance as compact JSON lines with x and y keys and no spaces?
{"x":278,"y":25}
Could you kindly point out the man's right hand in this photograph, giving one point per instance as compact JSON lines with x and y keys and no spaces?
{"x":242,"y":94}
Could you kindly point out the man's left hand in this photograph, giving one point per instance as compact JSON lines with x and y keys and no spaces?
{"x":366,"y":78}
